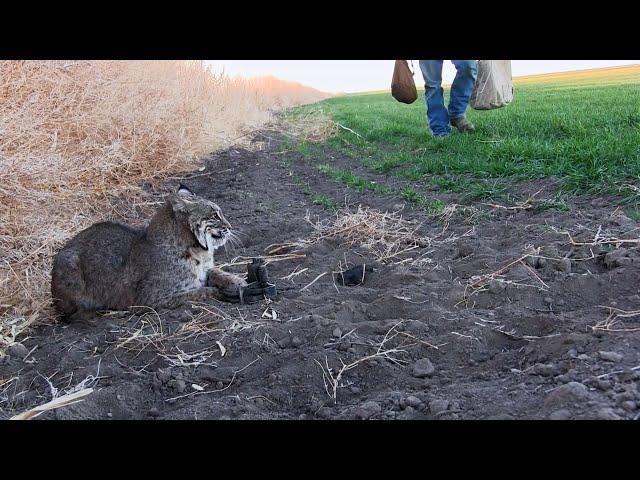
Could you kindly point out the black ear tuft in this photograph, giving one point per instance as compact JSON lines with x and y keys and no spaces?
{"x":184,"y":190}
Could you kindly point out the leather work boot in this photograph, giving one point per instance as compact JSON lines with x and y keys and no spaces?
{"x":463,"y":125}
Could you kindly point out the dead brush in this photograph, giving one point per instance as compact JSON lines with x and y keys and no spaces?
{"x":79,"y":138}
{"x":389,"y":237}
{"x":600,"y":237}
{"x":333,"y":378}
{"x":451,"y":210}
{"x":614,"y":322}
{"x":192,"y":359}
{"x":312,"y":125}
{"x":480,"y":283}
{"x":149,"y":333}
{"x":232,"y":324}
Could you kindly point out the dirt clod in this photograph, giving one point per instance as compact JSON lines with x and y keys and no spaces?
{"x":18,"y":350}
{"x":563,"y":265}
{"x":567,"y":393}
{"x":629,"y":405}
{"x":562,"y":414}
{"x":423,"y":368}
{"x":368,"y":410}
{"x":546,"y":370}
{"x":438,"y":406}
{"x":610,"y":356}
{"x":607,"y":413}
{"x":618,"y":258}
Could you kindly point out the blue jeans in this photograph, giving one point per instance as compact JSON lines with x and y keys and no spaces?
{"x":461,"y":89}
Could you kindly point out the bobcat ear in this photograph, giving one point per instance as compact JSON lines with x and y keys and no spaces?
{"x":178,"y":202}
{"x":183,"y":191}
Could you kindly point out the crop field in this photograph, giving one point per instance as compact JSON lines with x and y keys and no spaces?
{"x":580,"y":129}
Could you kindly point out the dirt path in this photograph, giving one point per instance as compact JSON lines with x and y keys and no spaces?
{"x":446,"y":338}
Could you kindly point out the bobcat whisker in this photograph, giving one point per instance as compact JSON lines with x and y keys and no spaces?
{"x":234,"y":240}
{"x":239,"y":231}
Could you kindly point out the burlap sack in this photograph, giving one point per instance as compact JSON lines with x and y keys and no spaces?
{"x":494,"y":86}
{"x":403,"y":87}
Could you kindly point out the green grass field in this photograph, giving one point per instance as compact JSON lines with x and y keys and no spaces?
{"x":582,"y":128}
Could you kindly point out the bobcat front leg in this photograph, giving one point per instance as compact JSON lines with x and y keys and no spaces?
{"x":228,"y":285}
{"x":202,"y":294}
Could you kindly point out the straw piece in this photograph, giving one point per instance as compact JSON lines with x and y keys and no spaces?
{"x":59,"y":402}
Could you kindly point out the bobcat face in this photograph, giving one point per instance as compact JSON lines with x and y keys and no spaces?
{"x":205,"y":219}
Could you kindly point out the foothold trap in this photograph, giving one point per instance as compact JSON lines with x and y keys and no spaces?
{"x":259,"y":285}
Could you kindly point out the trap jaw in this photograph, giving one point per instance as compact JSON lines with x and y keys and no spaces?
{"x":258,"y":281}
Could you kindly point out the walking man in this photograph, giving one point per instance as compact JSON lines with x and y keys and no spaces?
{"x":438,"y":116}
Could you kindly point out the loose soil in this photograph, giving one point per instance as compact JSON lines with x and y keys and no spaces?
{"x":456,"y":336}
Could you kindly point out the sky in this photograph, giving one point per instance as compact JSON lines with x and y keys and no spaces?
{"x":350,"y":76}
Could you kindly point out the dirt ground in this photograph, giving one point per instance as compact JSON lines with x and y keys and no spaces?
{"x":471,"y":332}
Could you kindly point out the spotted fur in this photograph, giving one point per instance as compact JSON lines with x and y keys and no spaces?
{"x":110,"y":266}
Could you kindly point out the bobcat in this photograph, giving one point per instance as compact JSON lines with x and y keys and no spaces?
{"x":110,"y":266}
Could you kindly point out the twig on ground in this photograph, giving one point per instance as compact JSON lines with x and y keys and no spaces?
{"x":478,"y":283}
{"x":294,"y":273}
{"x":465,"y":336}
{"x":349,"y":130}
{"x":268,"y":259}
{"x":314,"y":281}
{"x":612,"y":322}
{"x":525,"y":205}
{"x":424,"y":342}
{"x":332,"y":380}
{"x":617,"y":372}
{"x":600,"y":238}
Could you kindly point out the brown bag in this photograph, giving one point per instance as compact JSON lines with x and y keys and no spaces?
{"x":403,"y":87}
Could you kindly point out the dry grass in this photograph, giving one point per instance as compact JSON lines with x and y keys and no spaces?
{"x":480,"y":283}
{"x":311,"y":124}
{"x":149,"y":333}
{"x":77,"y":140}
{"x":58,"y":402}
{"x":389,"y":237}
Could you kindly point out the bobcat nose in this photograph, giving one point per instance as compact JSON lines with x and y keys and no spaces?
{"x":218,"y":233}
